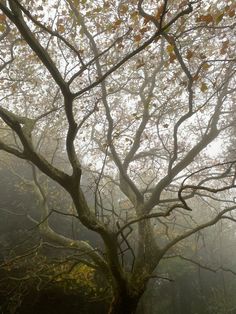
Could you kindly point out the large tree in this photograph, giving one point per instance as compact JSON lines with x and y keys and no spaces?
{"x":133,"y":93}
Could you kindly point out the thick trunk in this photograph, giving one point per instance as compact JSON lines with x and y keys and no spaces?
{"x":124,"y":304}
{"x":148,"y":250}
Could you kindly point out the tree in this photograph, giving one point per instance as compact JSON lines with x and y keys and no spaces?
{"x":134,"y":94}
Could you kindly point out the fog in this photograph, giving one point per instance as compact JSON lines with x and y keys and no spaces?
{"x":197,"y":276}
{"x":117,"y":157}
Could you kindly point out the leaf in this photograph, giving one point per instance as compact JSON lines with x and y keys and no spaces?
{"x":117,"y":23}
{"x":134,"y":15}
{"x":231,"y":13}
{"x":2,"y":28}
{"x":106,"y":5}
{"x":202,"y":56}
{"x":146,"y":20}
{"x":205,"y":66}
{"x":189,"y":54}
{"x":224,"y":47}
{"x":205,"y":18}
{"x":170,"y":39}
{"x":2,"y":18}
{"x":183,"y":4}
{"x":14,"y":87}
{"x":140,"y":63}
{"x":159,"y":12}
{"x":219,"y":18}
{"x":144,"y":30}
{"x":123,"y":9}
{"x":170,"y":49}
{"x":172,"y":57}
{"x":204,"y":87}
{"x":137,"y":38}
{"x":120,"y":46}
{"x":60,"y":28}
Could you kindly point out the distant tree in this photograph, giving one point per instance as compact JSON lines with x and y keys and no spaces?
{"x":134,"y":94}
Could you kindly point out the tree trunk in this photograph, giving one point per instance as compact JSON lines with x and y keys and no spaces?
{"x":124,"y":304}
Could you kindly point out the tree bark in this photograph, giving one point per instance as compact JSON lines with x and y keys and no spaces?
{"x":124,"y":303}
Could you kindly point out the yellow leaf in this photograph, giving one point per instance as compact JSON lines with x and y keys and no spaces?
{"x":205,"y":66}
{"x":117,"y":23}
{"x":134,"y":15}
{"x":2,"y":27}
{"x":203,"y":87}
{"x":60,"y":28}
{"x":170,"y":49}
{"x":219,"y":18}
{"x":123,"y":9}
